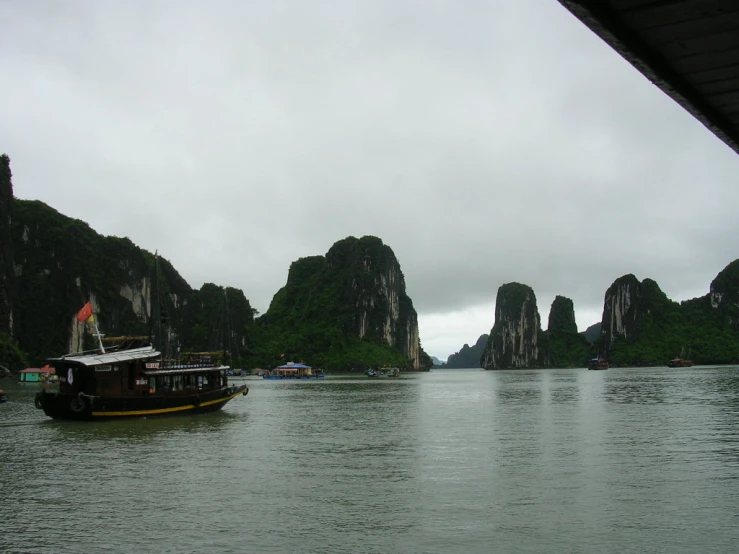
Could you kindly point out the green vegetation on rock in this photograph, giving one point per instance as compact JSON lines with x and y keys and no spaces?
{"x":11,"y":356}
{"x":565,"y":347}
{"x":562,"y":316}
{"x":657,"y":329}
{"x":347,"y":310}
{"x":62,"y":263}
{"x":516,"y":340}
{"x":7,"y":265}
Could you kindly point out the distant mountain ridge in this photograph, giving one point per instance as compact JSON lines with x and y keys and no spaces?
{"x":592,"y":333}
{"x":468,"y":356}
{"x":346,"y":309}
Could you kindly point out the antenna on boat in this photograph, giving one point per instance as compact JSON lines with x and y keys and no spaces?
{"x":226,"y":330}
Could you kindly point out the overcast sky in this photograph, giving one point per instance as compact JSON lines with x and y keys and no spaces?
{"x":484,"y":142}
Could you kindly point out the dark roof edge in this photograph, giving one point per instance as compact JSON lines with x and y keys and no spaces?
{"x":600,"y":18}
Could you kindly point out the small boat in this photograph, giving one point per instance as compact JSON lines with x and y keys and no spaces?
{"x":679,"y":362}
{"x":383,"y":372}
{"x":292,"y":370}
{"x":598,"y":363}
{"x":130,"y":378}
{"x":3,"y":396}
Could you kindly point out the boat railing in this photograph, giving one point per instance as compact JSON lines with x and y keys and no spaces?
{"x":179,"y":364}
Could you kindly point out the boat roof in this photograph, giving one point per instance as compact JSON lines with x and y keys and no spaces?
{"x":109,"y":357}
{"x":294,"y":366}
{"x":38,"y":370}
{"x":184,"y":369}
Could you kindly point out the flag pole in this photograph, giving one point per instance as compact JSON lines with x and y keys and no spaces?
{"x":98,"y":335}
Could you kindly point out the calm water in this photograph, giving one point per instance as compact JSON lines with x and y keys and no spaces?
{"x":638,"y":460}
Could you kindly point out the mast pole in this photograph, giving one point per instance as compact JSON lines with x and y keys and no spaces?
{"x":226,"y":339}
{"x":99,"y":336}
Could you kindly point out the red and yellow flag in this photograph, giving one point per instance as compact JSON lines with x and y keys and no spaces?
{"x":85,"y":313}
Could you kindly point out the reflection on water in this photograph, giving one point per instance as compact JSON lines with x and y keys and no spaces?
{"x":629,"y":389}
{"x":449,"y":461}
{"x":564,"y":388}
{"x":515,"y":386}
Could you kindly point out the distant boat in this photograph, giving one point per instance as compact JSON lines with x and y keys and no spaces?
{"x":598,"y":363}
{"x":679,"y":362}
{"x":383,"y":372}
{"x":291,"y":370}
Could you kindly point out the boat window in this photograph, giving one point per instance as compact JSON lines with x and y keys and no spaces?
{"x":179,"y":382}
{"x":152,"y":384}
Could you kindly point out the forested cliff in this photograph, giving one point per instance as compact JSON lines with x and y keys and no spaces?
{"x":6,"y":248}
{"x":345,"y":310}
{"x":61,"y":263}
{"x":349,"y":307}
{"x":640,"y":326}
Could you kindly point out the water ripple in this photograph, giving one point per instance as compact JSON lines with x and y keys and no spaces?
{"x":641,"y":460}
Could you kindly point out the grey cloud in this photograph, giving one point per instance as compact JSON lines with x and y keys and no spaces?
{"x":485,"y":142}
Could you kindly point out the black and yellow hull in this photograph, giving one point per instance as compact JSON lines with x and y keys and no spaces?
{"x":87,"y":407}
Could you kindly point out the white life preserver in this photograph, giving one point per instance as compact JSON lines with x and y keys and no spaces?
{"x":70,"y":376}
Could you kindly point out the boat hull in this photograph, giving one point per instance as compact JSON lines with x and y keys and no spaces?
{"x":87,"y":408}
{"x":285,"y":378}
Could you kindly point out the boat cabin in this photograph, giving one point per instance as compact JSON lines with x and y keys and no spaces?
{"x":135,"y":372}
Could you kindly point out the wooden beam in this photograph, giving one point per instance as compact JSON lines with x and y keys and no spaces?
{"x":608,"y":24}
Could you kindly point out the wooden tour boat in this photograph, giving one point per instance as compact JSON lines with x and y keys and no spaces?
{"x":130,"y":378}
{"x":598,"y":363}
